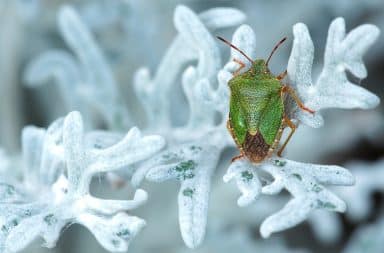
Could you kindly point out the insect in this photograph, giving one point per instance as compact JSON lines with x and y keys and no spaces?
{"x":257,"y":114}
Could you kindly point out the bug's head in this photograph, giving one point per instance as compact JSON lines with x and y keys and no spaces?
{"x":260,"y":67}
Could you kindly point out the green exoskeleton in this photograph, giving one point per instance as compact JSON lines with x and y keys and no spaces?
{"x":257,"y":115}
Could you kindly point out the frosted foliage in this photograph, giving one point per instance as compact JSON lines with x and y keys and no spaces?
{"x":369,"y":179}
{"x":86,"y":82}
{"x":194,"y":42}
{"x":194,"y":149}
{"x":59,"y":165}
{"x":367,"y":239}
{"x":307,"y":182}
{"x":332,"y":88}
{"x":327,"y":227}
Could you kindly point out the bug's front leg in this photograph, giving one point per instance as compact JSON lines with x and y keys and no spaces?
{"x":281,"y":76}
{"x":293,"y":127}
{"x":237,"y":157}
{"x":292,"y":93}
{"x":242,"y":65}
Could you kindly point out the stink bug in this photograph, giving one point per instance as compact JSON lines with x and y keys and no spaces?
{"x":257,"y":114}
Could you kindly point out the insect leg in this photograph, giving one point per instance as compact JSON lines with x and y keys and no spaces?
{"x":282,"y":75}
{"x":293,"y":127}
{"x":237,"y":157}
{"x":292,"y":93}
{"x":242,"y":65}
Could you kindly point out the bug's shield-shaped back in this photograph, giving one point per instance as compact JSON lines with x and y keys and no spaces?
{"x":256,"y":106}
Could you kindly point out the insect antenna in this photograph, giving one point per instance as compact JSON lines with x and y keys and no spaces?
{"x":274,"y":49}
{"x":234,"y":47}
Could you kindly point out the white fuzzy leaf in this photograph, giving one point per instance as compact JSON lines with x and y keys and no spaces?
{"x":67,"y":200}
{"x":332,"y":88}
{"x":246,"y":179}
{"x":85,"y":80}
{"x":303,"y":181}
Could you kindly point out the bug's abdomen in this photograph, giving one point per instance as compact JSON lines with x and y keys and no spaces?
{"x":255,"y":148}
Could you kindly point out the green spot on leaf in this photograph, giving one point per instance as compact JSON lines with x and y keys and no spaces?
{"x":14,"y":223}
{"x":50,"y":219}
{"x":185,"y":169}
{"x":4,"y":229}
{"x":298,"y":176}
{"x":327,"y":205}
{"x":246,"y":175}
{"x":123,"y":233}
{"x":184,"y":166}
{"x":97,"y":146}
{"x":8,"y":189}
{"x":317,"y":188}
{"x":195,"y":148}
{"x":188,"y":192}
{"x":115,"y":243}
{"x":279,"y":163}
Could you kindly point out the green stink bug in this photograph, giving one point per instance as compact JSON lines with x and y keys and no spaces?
{"x":257,"y":114}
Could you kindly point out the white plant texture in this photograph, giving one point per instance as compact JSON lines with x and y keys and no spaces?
{"x":182,"y":116}
{"x":332,"y":90}
{"x":58,"y":165}
{"x":86,"y":82}
{"x":370,"y":181}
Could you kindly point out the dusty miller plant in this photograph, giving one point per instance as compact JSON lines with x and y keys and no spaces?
{"x":85,"y":80}
{"x":370,"y":180}
{"x":305,"y":182}
{"x":58,"y":165}
{"x":61,"y":160}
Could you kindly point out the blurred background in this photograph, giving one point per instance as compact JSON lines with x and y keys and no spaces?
{"x":132,"y":34}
